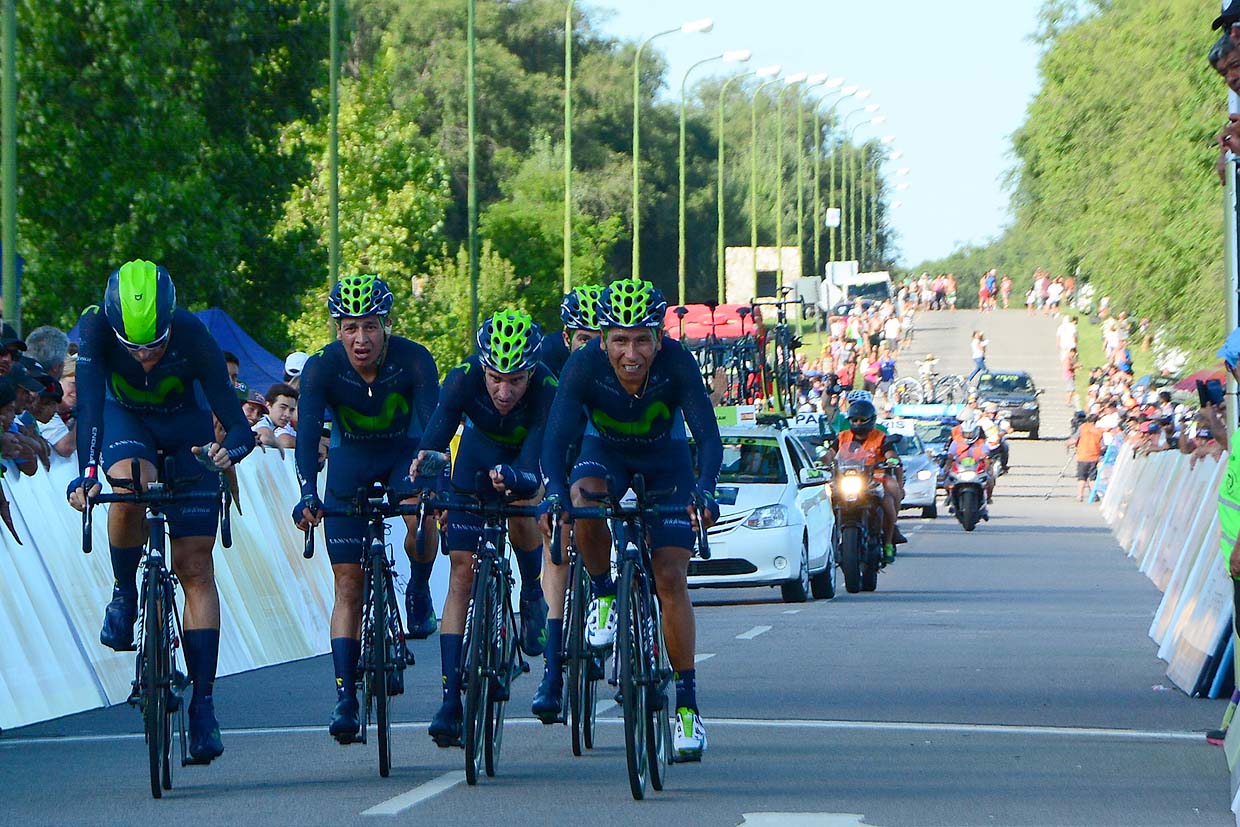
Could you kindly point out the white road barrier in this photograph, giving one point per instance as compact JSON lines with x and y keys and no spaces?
{"x":274,"y":603}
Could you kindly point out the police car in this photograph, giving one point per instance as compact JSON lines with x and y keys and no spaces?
{"x":775,"y":521}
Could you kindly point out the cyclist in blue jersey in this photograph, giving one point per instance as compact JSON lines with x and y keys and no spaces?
{"x":381,"y":390}
{"x":638,"y":390}
{"x":149,"y":376}
{"x":503,"y":394}
{"x":579,"y":312}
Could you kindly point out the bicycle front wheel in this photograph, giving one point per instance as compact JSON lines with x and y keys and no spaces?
{"x":576,"y":654}
{"x":951,"y":390}
{"x":658,"y":721}
{"x":478,"y":669}
{"x":153,"y":677}
{"x":906,"y":392}
{"x":380,"y":664}
{"x":504,"y":646}
{"x":633,"y":693}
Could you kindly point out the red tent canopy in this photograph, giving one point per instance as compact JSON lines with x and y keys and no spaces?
{"x":1189,"y":383}
{"x":698,"y":322}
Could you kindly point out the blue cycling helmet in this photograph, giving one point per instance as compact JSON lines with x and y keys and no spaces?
{"x":508,"y":342}
{"x":632,"y":303}
{"x":579,"y":310}
{"x":138,"y":303}
{"x":356,"y":296}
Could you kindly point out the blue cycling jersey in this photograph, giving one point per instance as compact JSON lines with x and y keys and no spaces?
{"x":106,"y":370}
{"x":632,"y":424}
{"x":394,"y":408}
{"x":488,"y":434}
{"x":553,"y":353}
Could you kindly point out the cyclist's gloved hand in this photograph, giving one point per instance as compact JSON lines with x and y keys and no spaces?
{"x":552,"y":504}
{"x":507,"y":474}
{"x":87,"y":485}
{"x":309,"y":501}
{"x":706,"y":499}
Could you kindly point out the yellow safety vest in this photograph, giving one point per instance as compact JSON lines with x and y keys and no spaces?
{"x":1229,"y":505}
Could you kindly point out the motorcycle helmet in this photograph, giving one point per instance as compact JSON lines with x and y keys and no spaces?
{"x":861,"y":417}
{"x":971,"y":430}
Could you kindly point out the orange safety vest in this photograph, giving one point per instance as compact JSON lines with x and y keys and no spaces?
{"x":869,"y":450}
{"x":971,"y":449}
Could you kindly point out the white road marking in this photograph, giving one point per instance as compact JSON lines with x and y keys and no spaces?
{"x":753,"y":633}
{"x":744,"y":723}
{"x":791,"y":611}
{"x":402,"y":802}
{"x":699,"y":658}
{"x":803,"y":820}
{"x":602,"y":705}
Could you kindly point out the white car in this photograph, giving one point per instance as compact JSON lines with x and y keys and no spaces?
{"x":775,"y":521}
{"x":920,"y":471}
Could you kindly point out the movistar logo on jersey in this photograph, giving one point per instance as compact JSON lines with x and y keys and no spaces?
{"x":353,"y":421}
{"x":551,"y":382}
{"x":638,"y":427}
{"x":517,"y":436}
{"x":138,"y":396}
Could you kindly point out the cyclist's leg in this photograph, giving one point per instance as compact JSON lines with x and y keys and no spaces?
{"x":595,"y":467}
{"x":128,"y":438}
{"x":419,"y":611}
{"x":464,"y":533}
{"x":527,"y":544}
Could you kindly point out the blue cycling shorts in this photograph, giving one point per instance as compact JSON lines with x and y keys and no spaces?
{"x":127,"y":435}
{"x":667,"y":468}
{"x":351,"y":466}
{"x":475,"y":456}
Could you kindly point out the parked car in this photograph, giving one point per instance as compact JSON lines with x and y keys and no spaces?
{"x":1014,"y":393}
{"x":775,"y":521}
{"x":921,"y":471}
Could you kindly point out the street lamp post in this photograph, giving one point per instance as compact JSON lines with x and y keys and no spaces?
{"x":721,"y":249}
{"x":833,"y":88}
{"x":846,"y":92}
{"x":471,"y":199}
{"x":812,"y":81}
{"x":737,"y":56}
{"x":847,"y":226}
{"x":333,"y":157}
{"x":753,"y":176}
{"x":857,"y":186}
{"x":568,"y":146}
{"x":703,"y":26}
{"x":790,"y":82}
{"x":872,"y":233}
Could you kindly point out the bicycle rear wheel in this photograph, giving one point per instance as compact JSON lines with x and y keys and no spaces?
{"x":658,"y":721}
{"x":505,"y":648}
{"x":906,"y":392}
{"x":478,"y":669}
{"x":153,"y":675}
{"x":380,"y":664}
{"x":633,"y":693}
{"x":576,"y":654}
{"x":951,"y":390}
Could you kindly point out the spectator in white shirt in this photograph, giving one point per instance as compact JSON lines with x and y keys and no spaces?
{"x":1066,"y":335}
{"x":275,"y":427}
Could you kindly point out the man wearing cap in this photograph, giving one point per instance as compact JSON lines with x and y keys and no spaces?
{"x":22,"y":439}
{"x":11,"y":346}
{"x":293,"y":366}
{"x":1228,"y":498}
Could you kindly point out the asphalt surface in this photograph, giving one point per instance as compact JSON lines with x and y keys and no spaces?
{"x":998,"y":677}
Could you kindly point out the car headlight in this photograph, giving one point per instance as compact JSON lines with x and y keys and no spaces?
{"x":925,"y":474}
{"x":851,"y":486}
{"x":1030,"y":406}
{"x":967,"y":476}
{"x":768,"y":516}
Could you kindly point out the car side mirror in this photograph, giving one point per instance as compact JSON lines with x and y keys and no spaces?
{"x":810,"y":476}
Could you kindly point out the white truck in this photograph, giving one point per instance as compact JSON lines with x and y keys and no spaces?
{"x":843,"y":284}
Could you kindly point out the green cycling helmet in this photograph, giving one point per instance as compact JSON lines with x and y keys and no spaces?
{"x":139,"y":302}
{"x":579,"y":310}
{"x":632,"y":303}
{"x":357,"y":296}
{"x":508,"y":342}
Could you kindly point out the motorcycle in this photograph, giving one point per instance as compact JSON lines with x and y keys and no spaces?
{"x":856,"y":500}
{"x":966,"y":490}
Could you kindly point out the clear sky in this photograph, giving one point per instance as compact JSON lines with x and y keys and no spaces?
{"x":954,"y":79}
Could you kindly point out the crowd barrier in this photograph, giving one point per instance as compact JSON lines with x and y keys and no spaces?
{"x":1165,"y":515}
{"x":274,"y":603}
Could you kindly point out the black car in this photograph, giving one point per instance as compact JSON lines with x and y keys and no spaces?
{"x":1015,"y":394}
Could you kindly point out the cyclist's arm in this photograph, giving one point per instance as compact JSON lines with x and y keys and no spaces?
{"x":445,"y":419}
{"x":700,"y":417}
{"x":222,"y":397}
{"x":310,"y":406}
{"x":527,"y":479}
{"x":564,"y":423}
{"x":90,"y":387}
{"x":425,"y":384}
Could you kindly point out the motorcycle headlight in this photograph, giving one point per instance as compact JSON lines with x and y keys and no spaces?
{"x":768,"y":516}
{"x":925,"y":474}
{"x":1030,"y":406}
{"x":967,"y":476}
{"x":851,"y":486}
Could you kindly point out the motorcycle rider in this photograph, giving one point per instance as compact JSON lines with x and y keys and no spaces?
{"x":989,"y":422}
{"x":863,"y":439}
{"x":971,"y":443}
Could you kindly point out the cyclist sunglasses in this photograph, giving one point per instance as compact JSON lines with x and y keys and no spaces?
{"x":155,"y":345}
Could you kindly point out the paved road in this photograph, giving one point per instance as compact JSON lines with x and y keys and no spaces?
{"x":1000,"y":677}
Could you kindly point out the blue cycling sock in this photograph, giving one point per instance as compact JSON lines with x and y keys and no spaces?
{"x":125,"y":569}
{"x":529,"y":563}
{"x":420,"y":574}
{"x":202,"y":654}
{"x":686,"y":689}
{"x":450,"y":657}
{"x":555,"y":640}
{"x":604,"y":586}
{"x":345,"y":653}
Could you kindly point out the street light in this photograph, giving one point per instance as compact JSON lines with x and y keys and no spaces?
{"x":702,"y":26}
{"x":835,"y":86}
{"x":471,"y":197}
{"x":568,"y":147}
{"x":846,"y":92}
{"x":734,"y":56}
{"x":858,"y":186}
{"x":753,"y":176}
{"x":812,"y":81}
{"x":845,"y":241}
{"x":790,"y":82}
{"x":886,"y":140}
{"x":721,"y":249}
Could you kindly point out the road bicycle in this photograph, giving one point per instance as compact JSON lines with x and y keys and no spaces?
{"x":640,"y":668}
{"x":384,"y":655}
{"x":783,"y":372}
{"x":577,"y":658}
{"x":930,"y":388}
{"x":159,"y":684}
{"x":490,"y":656}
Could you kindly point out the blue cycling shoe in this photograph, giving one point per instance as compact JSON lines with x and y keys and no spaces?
{"x":118,"y":620}
{"x":205,"y":744}
{"x":533,"y":625}
{"x":345,"y":723}
{"x":420,"y":612}
{"x":445,"y":729}
{"x":548,"y":698}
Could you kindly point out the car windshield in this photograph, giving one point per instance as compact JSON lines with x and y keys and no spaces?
{"x":812,"y":443}
{"x":933,"y":433}
{"x":910,"y":446}
{"x":1004,"y":382}
{"x":752,"y":459}
{"x":879,"y":290}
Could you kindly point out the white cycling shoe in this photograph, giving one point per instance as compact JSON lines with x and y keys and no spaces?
{"x":689,"y":739}
{"x":601,"y":622}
